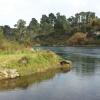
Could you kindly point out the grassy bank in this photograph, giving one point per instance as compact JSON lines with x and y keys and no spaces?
{"x":28,"y":62}
{"x":20,"y":60}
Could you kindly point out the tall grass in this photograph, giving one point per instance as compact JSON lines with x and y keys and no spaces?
{"x":37,"y":61}
{"x":26,"y":60}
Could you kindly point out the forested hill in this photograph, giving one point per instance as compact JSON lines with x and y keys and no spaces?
{"x":81,"y":29}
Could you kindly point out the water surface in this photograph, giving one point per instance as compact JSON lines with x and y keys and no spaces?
{"x":81,"y":83}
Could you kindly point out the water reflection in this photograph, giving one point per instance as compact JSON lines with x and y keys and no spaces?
{"x":85,"y":66}
{"x":26,"y":81}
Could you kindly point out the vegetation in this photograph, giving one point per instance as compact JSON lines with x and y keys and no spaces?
{"x":16,"y":43}
{"x":55,"y":30}
{"x":17,"y":55}
{"x":28,"y":62}
{"x":77,"y":38}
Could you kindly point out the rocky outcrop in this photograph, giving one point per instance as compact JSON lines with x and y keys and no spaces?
{"x":8,"y":73}
{"x":66,"y":64}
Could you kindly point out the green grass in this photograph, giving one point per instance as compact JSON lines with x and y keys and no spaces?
{"x":37,"y":61}
{"x":12,"y":54}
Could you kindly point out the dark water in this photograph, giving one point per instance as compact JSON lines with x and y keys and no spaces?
{"x":81,"y":83}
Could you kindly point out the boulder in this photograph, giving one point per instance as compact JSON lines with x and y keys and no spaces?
{"x":65,"y":65}
{"x":8,"y":73}
{"x":65,"y":62}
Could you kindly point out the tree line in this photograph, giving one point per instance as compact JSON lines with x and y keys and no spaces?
{"x":86,"y":22}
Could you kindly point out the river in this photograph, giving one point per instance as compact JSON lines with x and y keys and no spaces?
{"x":82,"y":82}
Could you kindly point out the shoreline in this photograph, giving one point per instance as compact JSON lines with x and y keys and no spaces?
{"x":68,"y":46}
{"x":58,"y":67}
{"x":29,"y":63}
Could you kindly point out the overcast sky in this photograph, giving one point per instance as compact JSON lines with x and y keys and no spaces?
{"x":12,"y":10}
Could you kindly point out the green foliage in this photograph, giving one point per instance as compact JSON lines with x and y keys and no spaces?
{"x":21,"y":30}
{"x":52,"y":19}
{"x":33,"y":28}
{"x":61,"y":24}
{"x":83,"y":21}
{"x":1,"y":33}
{"x":46,"y":24}
{"x":37,"y":61}
{"x":57,"y":28}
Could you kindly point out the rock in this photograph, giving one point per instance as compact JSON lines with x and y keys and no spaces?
{"x":8,"y":73}
{"x":64,"y":62}
{"x":65,"y":65}
{"x":23,"y":60}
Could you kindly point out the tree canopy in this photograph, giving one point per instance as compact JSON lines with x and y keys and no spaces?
{"x":54,"y":25}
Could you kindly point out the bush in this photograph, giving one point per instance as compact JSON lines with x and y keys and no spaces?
{"x":77,"y":39}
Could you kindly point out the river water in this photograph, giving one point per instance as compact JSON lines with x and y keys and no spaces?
{"x":82,"y":82}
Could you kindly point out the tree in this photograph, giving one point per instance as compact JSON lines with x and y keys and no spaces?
{"x":20,"y":30}
{"x":33,"y":28}
{"x":8,"y":32}
{"x":61,"y":24}
{"x":52,"y":19}
{"x":1,"y":32}
{"x":46,"y":25}
{"x":82,"y":21}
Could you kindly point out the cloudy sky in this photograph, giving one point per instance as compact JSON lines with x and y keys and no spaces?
{"x":12,"y":10}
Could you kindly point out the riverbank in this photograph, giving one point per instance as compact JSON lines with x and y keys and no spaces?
{"x":26,"y":62}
